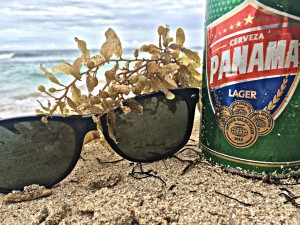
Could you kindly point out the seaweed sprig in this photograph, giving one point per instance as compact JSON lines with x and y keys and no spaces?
{"x":170,"y":65}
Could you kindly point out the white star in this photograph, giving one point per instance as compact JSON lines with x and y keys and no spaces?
{"x":231,"y":27}
{"x":238,"y":24}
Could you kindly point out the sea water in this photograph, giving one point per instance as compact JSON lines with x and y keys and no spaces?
{"x":20,"y":75}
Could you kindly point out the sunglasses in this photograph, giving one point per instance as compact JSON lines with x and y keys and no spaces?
{"x":32,"y":152}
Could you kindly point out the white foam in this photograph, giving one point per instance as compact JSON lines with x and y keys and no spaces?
{"x":6,"y":56}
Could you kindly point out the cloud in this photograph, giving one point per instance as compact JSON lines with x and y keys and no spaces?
{"x":36,"y":23}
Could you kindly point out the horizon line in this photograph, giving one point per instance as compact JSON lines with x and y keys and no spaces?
{"x":71,"y":49}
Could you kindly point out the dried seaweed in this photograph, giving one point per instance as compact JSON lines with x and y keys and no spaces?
{"x":141,"y":174}
{"x":109,"y":162}
{"x":181,"y":160}
{"x":227,"y":196}
{"x":192,"y":163}
{"x":169,"y":65}
{"x":290,"y":197}
{"x":30,"y":193}
{"x":276,"y":179}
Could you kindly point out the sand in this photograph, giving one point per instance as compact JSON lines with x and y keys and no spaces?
{"x":106,"y":193}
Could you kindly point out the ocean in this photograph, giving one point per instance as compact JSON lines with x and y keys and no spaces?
{"x":20,"y":76}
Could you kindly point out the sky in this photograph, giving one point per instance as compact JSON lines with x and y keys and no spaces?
{"x":53,"y":24}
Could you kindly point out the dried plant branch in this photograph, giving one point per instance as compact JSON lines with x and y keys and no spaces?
{"x":276,"y":179}
{"x":193,"y":163}
{"x":170,"y":65}
{"x":188,"y":148}
{"x":227,"y":196}
{"x":108,"y":162}
{"x":141,"y":174}
{"x":290,"y":197}
{"x":181,"y":160}
{"x":30,"y":193}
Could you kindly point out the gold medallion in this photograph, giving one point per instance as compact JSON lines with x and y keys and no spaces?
{"x":263,"y":120}
{"x":242,"y":108}
{"x":240,"y":131}
{"x":223,"y":113}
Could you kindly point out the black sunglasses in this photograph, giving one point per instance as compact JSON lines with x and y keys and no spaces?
{"x":32,"y":152}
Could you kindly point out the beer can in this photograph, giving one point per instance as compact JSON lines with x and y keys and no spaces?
{"x":250,"y":94}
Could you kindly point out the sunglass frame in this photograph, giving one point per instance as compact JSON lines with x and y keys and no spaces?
{"x":81,"y":125}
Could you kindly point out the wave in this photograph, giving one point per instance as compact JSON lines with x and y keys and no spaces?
{"x":6,"y":56}
{"x":51,"y":56}
{"x":41,"y":53}
{"x":41,"y":56}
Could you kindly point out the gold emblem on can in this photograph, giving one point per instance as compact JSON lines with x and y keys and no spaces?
{"x":263,"y":120}
{"x":240,"y":131}
{"x":223,"y":113}
{"x":242,"y":108}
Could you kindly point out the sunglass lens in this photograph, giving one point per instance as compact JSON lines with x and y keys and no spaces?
{"x":32,"y":152}
{"x":156,"y":133}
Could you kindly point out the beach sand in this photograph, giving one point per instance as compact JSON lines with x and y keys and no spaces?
{"x":106,"y":193}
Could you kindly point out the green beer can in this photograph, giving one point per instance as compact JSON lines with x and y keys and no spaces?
{"x":250,"y":94}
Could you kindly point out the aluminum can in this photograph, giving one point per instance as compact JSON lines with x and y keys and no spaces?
{"x":250,"y":94}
